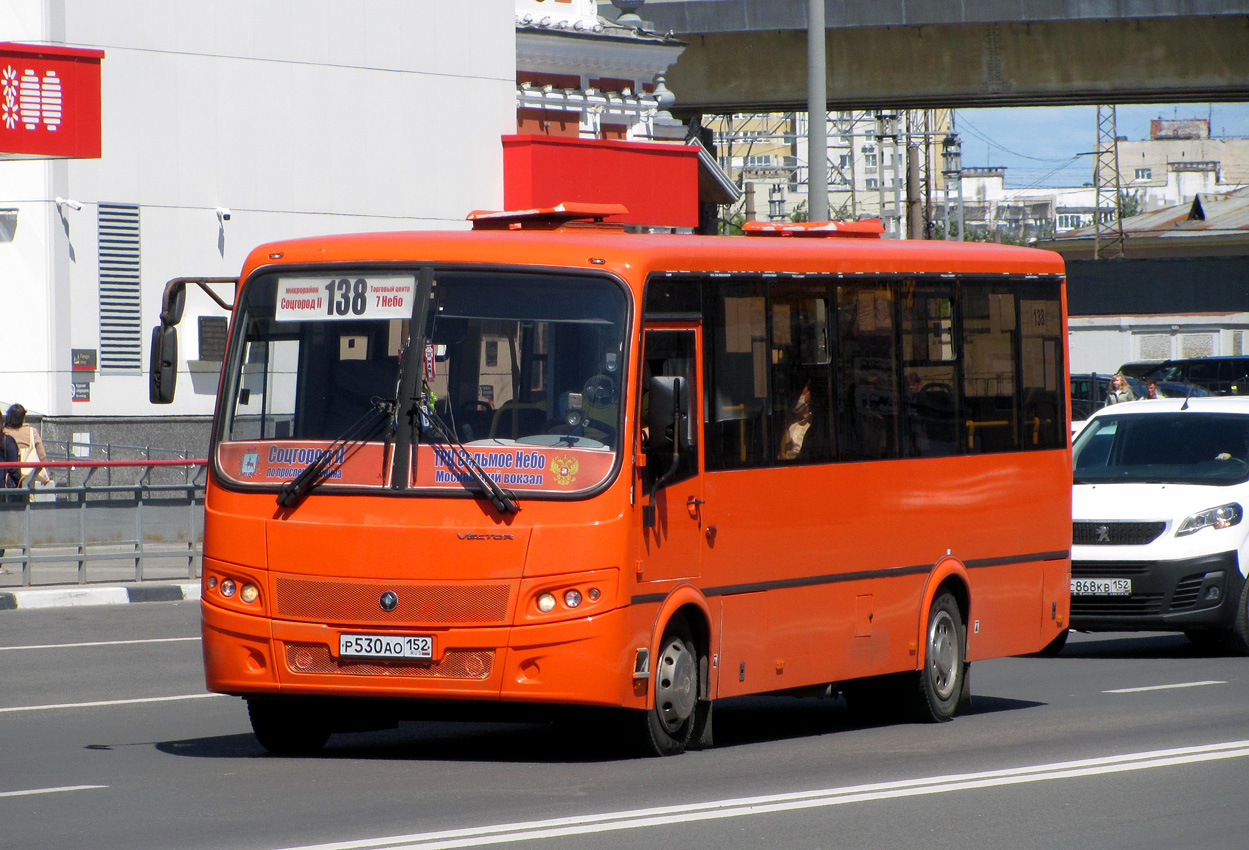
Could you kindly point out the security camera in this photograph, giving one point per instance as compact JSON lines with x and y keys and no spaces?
{"x":223,"y":213}
{"x":66,"y":202}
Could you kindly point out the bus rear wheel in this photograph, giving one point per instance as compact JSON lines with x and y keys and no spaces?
{"x":938,"y":684}
{"x":670,"y":723}
{"x":287,"y":727}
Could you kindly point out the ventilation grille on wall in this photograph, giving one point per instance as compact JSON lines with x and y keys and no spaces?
{"x":121,"y":329}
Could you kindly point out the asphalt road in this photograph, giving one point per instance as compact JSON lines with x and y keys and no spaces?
{"x":108,"y":740}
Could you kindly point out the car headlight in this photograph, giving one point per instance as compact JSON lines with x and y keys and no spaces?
{"x":1223,"y":516}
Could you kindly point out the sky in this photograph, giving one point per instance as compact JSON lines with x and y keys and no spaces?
{"x":1039,"y":145}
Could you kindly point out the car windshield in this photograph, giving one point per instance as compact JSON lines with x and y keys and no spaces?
{"x":1173,"y":447}
{"x":523,"y":368}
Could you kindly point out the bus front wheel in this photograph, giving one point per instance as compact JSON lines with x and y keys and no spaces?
{"x":670,"y":723}
{"x":940,"y":681}
{"x":287,"y":727}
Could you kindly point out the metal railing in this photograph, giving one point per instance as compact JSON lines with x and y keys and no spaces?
{"x":104,"y":520}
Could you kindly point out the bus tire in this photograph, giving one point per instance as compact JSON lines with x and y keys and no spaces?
{"x":670,"y":723}
{"x":287,"y":727}
{"x":938,"y":685}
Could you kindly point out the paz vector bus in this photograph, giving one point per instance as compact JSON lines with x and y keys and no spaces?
{"x":549,"y":464}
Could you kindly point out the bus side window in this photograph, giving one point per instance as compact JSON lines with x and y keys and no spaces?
{"x":929,"y":362}
{"x":867,"y":377}
{"x":738,"y":415}
{"x":802,"y":409}
{"x":990,"y":364}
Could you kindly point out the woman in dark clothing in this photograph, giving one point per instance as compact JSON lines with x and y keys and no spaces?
{"x":9,"y":477}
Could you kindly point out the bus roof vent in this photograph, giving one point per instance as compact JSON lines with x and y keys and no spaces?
{"x":868,"y":228}
{"x":559,"y":217}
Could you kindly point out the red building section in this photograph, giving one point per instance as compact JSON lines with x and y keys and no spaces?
{"x":657,"y":182}
{"x":49,"y":102}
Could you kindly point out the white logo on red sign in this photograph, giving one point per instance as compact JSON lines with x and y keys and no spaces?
{"x":29,"y":100}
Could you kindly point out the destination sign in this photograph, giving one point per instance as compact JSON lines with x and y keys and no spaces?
{"x":329,"y":297}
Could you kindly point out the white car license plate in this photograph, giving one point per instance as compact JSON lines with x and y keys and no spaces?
{"x":1101,"y":587}
{"x":386,"y":646}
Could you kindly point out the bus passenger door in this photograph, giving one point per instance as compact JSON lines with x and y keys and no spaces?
{"x":672,"y":547}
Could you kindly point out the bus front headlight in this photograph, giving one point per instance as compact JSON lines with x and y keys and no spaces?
{"x":1224,"y":516}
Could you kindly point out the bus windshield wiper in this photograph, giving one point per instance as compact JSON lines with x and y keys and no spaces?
{"x":379,"y":414}
{"x":502,"y":499}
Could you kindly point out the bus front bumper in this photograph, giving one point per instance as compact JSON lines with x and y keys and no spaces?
{"x":586,"y":661}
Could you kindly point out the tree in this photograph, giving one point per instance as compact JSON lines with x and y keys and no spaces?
{"x":1129,"y":204}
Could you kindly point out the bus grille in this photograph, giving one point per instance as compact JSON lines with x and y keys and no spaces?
{"x":455,"y":664}
{"x":1116,"y":533}
{"x":330,"y":601}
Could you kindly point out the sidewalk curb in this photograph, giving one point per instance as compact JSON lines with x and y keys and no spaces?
{"x":61,"y":597}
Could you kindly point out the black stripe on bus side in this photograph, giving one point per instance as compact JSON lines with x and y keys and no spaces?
{"x":1017,"y":559}
{"x":859,"y":575}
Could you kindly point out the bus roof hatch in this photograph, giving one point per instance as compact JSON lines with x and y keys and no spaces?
{"x":558,"y":217}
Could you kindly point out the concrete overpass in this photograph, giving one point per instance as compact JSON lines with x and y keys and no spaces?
{"x":750,"y":55}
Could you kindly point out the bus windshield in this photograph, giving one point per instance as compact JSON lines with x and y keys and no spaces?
{"x":523,"y":369}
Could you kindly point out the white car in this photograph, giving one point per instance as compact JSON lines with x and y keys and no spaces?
{"x":1160,"y":541}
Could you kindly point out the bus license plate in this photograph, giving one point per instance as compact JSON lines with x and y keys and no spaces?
{"x":386,"y":646}
{"x":1101,"y":587}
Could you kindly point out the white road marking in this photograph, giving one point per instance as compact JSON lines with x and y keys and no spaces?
{"x":1164,"y":687}
{"x":96,"y":643}
{"x":30,"y":791}
{"x":769,"y":804}
{"x":107,"y":702}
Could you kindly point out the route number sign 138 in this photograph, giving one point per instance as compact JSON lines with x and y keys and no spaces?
{"x":348,"y":296}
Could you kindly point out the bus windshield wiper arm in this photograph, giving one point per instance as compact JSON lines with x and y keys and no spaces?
{"x":364,"y":428}
{"x":502,"y":499}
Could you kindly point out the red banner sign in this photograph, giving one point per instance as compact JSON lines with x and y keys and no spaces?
{"x":49,"y":102}
{"x":550,"y":469}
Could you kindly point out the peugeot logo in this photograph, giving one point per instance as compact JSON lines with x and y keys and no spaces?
{"x":389,"y":600}
{"x":1102,"y":533}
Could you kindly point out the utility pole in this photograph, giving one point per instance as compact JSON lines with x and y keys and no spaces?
{"x":1107,"y":235}
{"x":817,"y":114}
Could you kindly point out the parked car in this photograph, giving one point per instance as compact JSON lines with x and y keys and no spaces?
{"x":1218,"y":375}
{"x":1159,"y":538}
{"x":1139,"y":368}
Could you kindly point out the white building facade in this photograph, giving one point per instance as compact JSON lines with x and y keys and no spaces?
{"x":225,"y":125}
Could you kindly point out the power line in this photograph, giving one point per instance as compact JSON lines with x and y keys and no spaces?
{"x":979,"y":134}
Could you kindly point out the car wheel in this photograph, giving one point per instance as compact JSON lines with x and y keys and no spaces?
{"x":1238,"y":637}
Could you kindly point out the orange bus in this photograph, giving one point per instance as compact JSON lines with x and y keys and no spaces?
{"x":549,"y":463}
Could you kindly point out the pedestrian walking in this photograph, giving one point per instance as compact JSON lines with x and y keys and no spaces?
{"x":9,"y":478}
{"x":1120,"y":390}
{"x":29,"y":442}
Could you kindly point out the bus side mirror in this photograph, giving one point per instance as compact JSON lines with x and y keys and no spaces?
{"x":163,"y":371}
{"x":172,"y":302}
{"x":661,"y":418}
